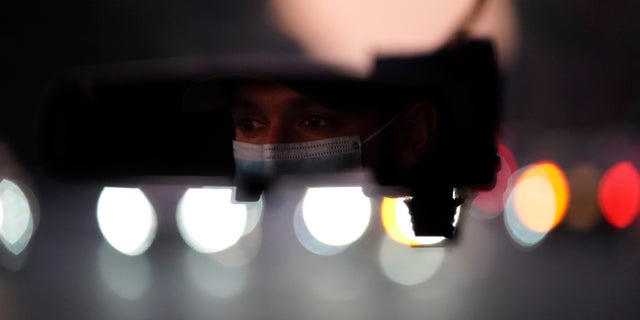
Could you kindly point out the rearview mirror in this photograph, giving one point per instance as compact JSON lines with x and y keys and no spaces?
{"x":422,"y":126}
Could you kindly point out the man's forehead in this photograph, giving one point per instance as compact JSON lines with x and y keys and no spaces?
{"x":266,"y":91}
{"x":261,"y":87}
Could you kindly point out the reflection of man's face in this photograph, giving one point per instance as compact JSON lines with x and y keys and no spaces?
{"x":267,"y":113}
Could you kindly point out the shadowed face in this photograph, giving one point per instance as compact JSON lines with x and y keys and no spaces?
{"x":268,"y":113}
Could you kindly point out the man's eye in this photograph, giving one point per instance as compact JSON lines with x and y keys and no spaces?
{"x":249,"y":124}
{"x":315,"y":122}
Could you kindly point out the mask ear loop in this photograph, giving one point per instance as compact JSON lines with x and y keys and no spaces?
{"x":377,"y":132}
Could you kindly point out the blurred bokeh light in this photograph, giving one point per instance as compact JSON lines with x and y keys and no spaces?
{"x":308,"y":241}
{"x":336,"y":216}
{"x":1,"y":214}
{"x":254,"y":215}
{"x":537,"y":203}
{"x":396,"y":221}
{"x":351,"y":33}
{"x":542,"y":197}
{"x":408,"y":266}
{"x":619,"y":194}
{"x":519,"y":232}
{"x":16,"y":217}
{"x":243,"y":252}
{"x":127,"y":277}
{"x":209,"y":221}
{"x":126,"y":219}
{"x":583,"y":213}
{"x":491,"y":202}
{"x":214,"y":279}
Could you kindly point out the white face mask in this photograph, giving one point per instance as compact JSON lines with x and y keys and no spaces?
{"x":320,"y":156}
{"x":340,"y":154}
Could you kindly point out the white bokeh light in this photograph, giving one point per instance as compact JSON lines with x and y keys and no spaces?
{"x":336,"y":216}
{"x":17,"y":220}
{"x":126,"y":219}
{"x":243,"y":252}
{"x":254,"y":214}
{"x":127,"y":277}
{"x":221,"y":282}
{"x":309,"y":242}
{"x":408,"y":266}
{"x":209,"y":221}
{"x":531,"y":206}
{"x":519,"y":232}
{"x":1,"y":214}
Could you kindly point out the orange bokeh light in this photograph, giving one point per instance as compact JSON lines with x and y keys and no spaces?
{"x":619,"y":194}
{"x":396,"y":221}
{"x":390,"y":221}
{"x":542,"y":196}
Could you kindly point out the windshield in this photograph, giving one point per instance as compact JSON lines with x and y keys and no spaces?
{"x":131,"y":209}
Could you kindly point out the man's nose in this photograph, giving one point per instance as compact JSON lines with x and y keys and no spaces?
{"x":278,"y":133}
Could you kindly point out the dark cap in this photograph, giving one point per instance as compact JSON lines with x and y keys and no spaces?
{"x":464,"y":70}
{"x":125,"y":118}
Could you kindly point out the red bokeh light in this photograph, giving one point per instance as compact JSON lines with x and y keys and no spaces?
{"x":491,"y":201}
{"x":619,"y":194}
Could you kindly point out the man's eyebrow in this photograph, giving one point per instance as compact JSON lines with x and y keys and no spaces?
{"x":244,"y":108}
